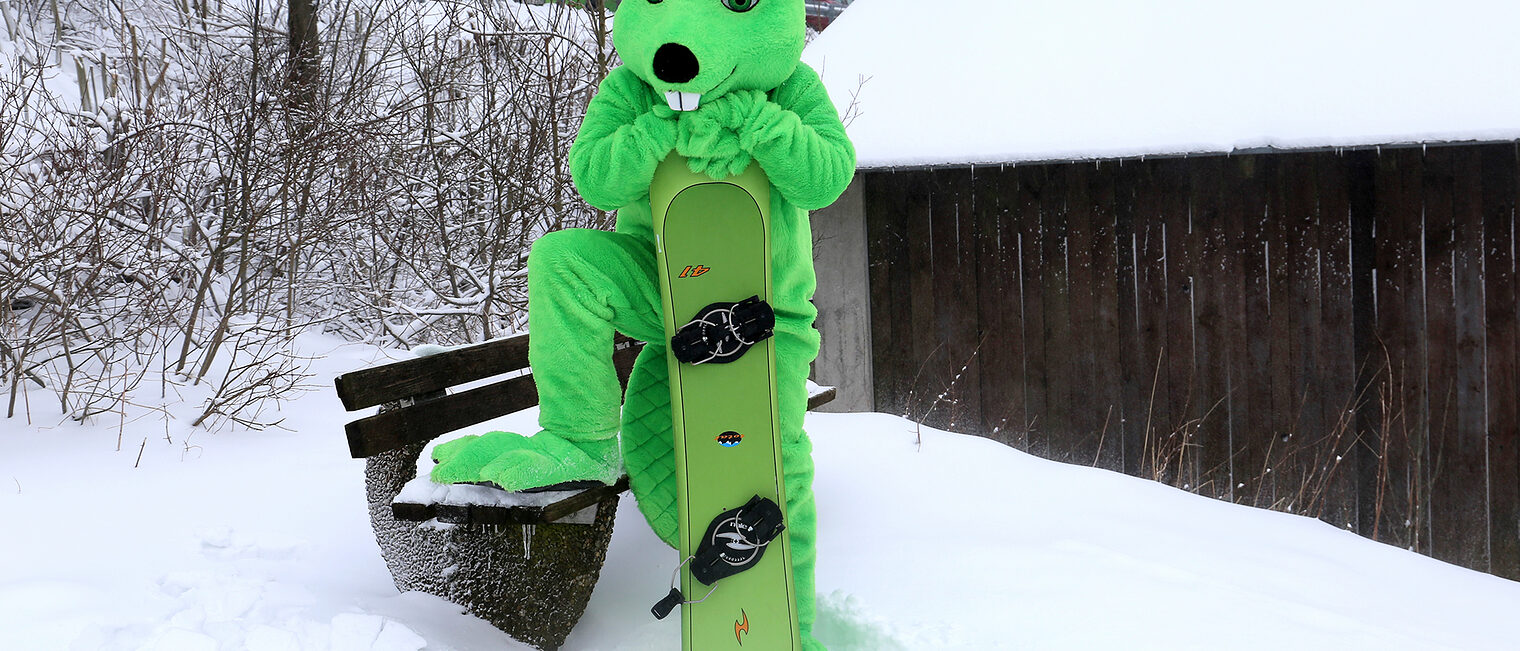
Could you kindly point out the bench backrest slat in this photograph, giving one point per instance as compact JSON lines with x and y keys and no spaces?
{"x":427,"y":420}
{"x":424,"y":375}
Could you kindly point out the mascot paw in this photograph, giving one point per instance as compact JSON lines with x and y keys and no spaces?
{"x":547,"y":460}
{"x":710,"y":136}
{"x":720,"y":168}
{"x":459,"y":461}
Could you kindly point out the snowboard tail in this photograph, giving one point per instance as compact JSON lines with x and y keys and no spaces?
{"x":712,"y":240}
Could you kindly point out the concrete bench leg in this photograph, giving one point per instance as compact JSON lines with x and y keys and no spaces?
{"x":535,"y":592}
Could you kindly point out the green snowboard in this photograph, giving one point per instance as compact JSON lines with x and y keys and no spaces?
{"x":713,"y":248}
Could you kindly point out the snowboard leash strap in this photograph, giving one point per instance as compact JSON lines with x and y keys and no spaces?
{"x":734,"y":542}
{"x":722,"y":332}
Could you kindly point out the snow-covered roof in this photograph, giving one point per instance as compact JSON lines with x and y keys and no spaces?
{"x":996,"y":81}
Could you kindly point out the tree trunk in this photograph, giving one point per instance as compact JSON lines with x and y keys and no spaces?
{"x":302,"y":75}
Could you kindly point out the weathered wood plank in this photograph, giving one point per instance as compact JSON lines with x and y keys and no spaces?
{"x":999,"y":306}
{"x":1034,"y":184}
{"x":1309,"y":446}
{"x":1135,"y":349}
{"x":1503,"y":353}
{"x":1168,"y":451}
{"x":926,"y":358}
{"x":494,"y":515}
{"x":1468,"y":454}
{"x":424,"y":375}
{"x":1398,"y":336}
{"x":1089,"y":416}
{"x":886,"y":233}
{"x":1252,"y":331}
{"x":427,"y":420}
{"x":1335,"y":497}
{"x":1213,"y":277}
{"x":1448,"y":502}
{"x":1109,"y":269}
{"x":1060,"y":425}
{"x":1277,"y":358}
{"x":1360,"y":170}
{"x":955,"y":397}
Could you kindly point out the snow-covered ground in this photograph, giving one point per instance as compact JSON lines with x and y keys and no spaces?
{"x":260,"y":541}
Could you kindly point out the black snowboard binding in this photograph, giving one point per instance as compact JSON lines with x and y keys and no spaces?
{"x":722,"y":332}
{"x":734,"y":542}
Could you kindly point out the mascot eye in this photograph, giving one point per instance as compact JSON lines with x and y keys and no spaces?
{"x":740,"y":6}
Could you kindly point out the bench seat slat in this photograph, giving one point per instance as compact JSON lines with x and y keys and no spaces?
{"x":493,"y":514}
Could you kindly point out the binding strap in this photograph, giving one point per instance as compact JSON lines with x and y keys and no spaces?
{"x":720,"y":333}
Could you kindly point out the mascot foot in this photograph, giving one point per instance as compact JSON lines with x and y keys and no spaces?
{"x":550,"y":462}
{"x":459,"y":461}
{"x":811,"y":644}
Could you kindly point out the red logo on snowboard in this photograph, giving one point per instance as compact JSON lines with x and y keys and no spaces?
{"x":693,"y":272}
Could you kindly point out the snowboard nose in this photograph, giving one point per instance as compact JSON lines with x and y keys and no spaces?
{"x":675,"y":64}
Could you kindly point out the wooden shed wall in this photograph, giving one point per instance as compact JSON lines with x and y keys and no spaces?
{"x":1328,"y":333}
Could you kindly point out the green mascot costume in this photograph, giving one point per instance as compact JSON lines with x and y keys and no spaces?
{"x":720,"y":82}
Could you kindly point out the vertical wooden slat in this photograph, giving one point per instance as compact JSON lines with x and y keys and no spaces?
{"x":1449,"y":503}
{"x":1387,"y":352}
{"x":1132,"y":345}
{"x":1034,"y":184}
{"x":1309,"y":446}
{"x":1060,"y":425}
{"x":999,"y":306}
{"x":1254,"y":331}
{"x":951,"y":397}
{"x":1211,"y":286}
{"x":1105,"y":342}
{"x":1182,"y":241}
{"x":1335,"y":499}
{"x":1360,"y":168}
{"x":1399,"y":326}
{"x":1087,"y":416}
{"x":926,"y":358}
{"x":1503,"y":334}
{"x":1278,"y":350}
{"x":888,"y":268}
{"x":1149,"y":381}
{"x":1411,"y":212}
{"x":1468,"y":465}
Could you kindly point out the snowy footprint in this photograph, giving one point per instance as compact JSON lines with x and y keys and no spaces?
{"x":364,"y":632}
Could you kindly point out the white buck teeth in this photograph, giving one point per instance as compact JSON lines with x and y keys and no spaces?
{"x":679,"y":101}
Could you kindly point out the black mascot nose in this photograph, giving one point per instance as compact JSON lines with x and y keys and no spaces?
{"x":675,"y":64}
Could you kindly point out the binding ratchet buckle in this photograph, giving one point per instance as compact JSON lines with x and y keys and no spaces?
{"x":735,"y":541}
{"x":722,"y":332}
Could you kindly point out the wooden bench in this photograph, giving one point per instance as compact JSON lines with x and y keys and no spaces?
{"x":526,"y":563}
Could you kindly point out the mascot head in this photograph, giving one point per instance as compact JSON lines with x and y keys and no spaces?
{"x":694,"y":49}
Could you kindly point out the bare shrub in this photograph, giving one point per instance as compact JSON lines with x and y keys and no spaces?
{"x":189,"y":211}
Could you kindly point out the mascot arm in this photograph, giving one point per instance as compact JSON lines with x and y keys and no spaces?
{"x":798,"y":139}
{"x":621,"y":142}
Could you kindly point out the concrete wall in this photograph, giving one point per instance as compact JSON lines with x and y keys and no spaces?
{"x":843,"y":300}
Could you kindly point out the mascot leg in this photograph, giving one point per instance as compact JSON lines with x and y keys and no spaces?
{"x":796,"y":346}
{"x":583,"y":285}
{"x":648,"y":442}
